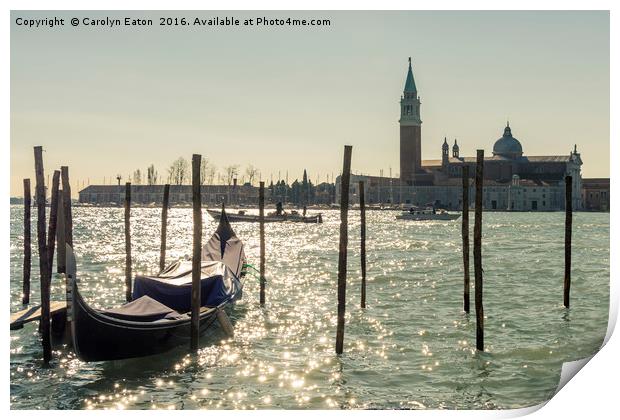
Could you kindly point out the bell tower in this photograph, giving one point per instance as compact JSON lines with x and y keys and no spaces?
{"x":410,"y":131}
{"x":445,"y":156}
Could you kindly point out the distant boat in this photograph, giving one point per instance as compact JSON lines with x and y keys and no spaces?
{"x":159,"y":317}
{"x":427,"y":214}
{"x":293,"y":216}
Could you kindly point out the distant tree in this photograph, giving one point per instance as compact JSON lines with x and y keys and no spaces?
{"x":177,"y":173}
{"x":231,"y":173}
{"x":137,"y":177}
{"x":204,"y":162}
{"x":210,"y":172}
{"x":251,"y":172}
{"x":151,"y":175}
{"x":295,"y":195}
{"x":207,"y":172}
{"x":283,"y":192}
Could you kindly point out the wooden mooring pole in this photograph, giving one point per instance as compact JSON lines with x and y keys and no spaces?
{"x":478,"y":251}
{"x":66,"y":201}
{"x":195,"y":323}
{"x":261,"y":219}
{"x":52,"y":228}
{"x":45,"y":291}
{"x":164,"y":227}
{"x":363,"y":241}
{"x":568,"y":232}
{"x":69,"y":263}
{"x":44,"y":323}
{"x":61,"y":250}
{"x":127,"y":242}
{"x":342,"y":254}
{"x":27,"y":242}
{"x":465,"y":233}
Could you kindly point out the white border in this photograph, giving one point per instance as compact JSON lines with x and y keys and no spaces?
{"x":593,"y":393}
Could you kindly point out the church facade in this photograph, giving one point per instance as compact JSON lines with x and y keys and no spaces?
{"x":512,"y":180}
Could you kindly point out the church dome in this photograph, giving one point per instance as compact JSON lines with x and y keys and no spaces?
{"x":507,"y":146}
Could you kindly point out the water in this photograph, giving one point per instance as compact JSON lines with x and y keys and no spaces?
{"x":412,"y":347}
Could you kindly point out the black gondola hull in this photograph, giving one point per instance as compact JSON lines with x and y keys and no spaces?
{"x":98,"y":337}
{"x":253,"y":218}
{"x":138,"y":331}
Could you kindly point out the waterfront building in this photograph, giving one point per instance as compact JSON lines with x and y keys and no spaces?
{"x":179,"y":194}
{"x":595,"y":194}
{"x":512,"y":180}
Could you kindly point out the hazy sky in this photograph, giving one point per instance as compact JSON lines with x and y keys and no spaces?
{"x":107,"y":101}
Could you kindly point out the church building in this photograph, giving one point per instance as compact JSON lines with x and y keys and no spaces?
{"x":513,"y":181}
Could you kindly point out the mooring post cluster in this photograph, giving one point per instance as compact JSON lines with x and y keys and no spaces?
{"x":59,"y":231}
{"x":478,"y":272}
{"x":478,"y":283}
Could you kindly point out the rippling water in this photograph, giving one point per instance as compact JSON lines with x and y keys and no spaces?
{"x":412,"y":347}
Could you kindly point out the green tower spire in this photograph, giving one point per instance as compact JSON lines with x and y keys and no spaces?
{"x":410,"y":83}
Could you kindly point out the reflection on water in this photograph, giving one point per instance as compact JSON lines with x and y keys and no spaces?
{"x":412,"y":347}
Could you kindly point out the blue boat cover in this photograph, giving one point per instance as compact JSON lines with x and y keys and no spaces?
{"x":173,"y":286}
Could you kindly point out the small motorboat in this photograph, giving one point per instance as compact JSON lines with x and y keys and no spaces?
{"x":159,"y":316}
{"x":427,"y":213}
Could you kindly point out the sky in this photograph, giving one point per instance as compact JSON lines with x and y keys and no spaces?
{"x":108,"y":101}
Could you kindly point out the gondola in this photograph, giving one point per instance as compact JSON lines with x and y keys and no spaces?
{"x":271,"y":218}
{"x":158,"y":318}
